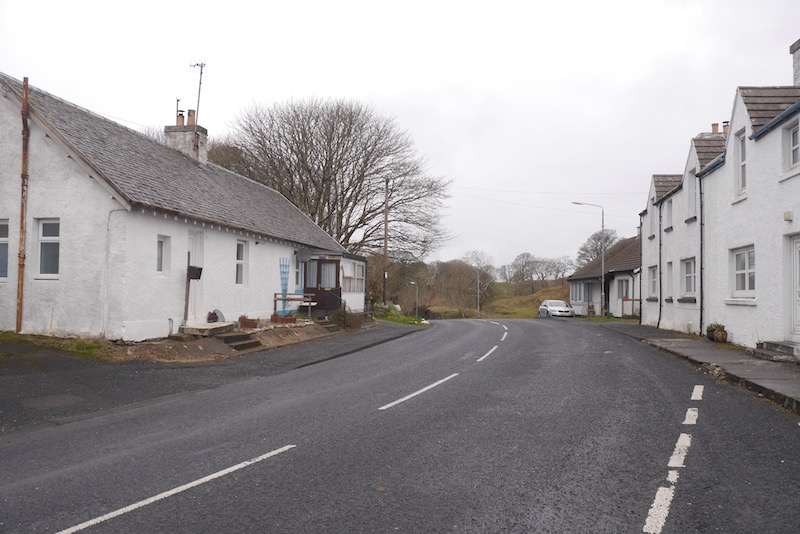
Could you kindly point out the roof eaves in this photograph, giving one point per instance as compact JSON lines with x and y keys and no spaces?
{"x":777,"y":121}
{"x":713,"y":165}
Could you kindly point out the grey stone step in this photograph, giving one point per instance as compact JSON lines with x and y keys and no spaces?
{"x":243,"y":345}
{"x":786,"y":347}
{"x":234,"y":337}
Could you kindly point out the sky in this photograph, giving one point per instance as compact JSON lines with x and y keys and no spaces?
{"x":526,"y":106}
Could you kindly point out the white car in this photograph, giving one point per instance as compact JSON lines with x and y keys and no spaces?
{"x":556,"y":308}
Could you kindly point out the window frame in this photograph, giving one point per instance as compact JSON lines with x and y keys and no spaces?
{"x":794,"y":146}
{"x":687,"y":277}
{"x":741,"y":163}
{"x":668,"y":216}
{"x":653,"y":273}
{"x":240,"y":277}
{"x":48,"y":240}
{"x":748,"y":272}
{"x":163,"y":254}
{"x":623,"y":288}
{"x":691,"y":195}
{"x":670,"y":285}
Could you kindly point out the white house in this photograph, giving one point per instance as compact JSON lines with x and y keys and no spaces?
{"x":747,"y":197}
{"x":622,"y":273}
{"x":109,"y":221}
{"x":671,"y":244}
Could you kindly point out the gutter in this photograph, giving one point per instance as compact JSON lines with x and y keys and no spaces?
{"x":641,"y":268}
{"x":660,"y":288}
{"x":774,"y":123}
{"x":702,"y":253}
{"x":23,"y":204}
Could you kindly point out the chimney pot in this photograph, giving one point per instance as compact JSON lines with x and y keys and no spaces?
{"x":191,"y":118}
{"x":714,"y":127}
{"x":179,"y":120}
{"x":725,"y":126}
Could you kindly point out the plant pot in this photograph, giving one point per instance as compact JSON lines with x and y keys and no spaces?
{"x":720,"y":336}
{"x":710,"y":334}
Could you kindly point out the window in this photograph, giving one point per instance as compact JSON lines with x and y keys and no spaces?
{"x":623,"y":288}
{"x":653,"y":272}
{"x":744,"y":272}
{"x":669,"y":280}
{"x":162,"y":254}
{"x":688,"y":274}
{"x":794,"y":146}
{"x":668,"y":216}
{"x":576,"y":293}
{"x":241,"y":263}
{"x":298,"y":273}
{"x":3,"y":249}
{"x":741,"y":162}
{"x":49,"y":236}
{"x":353,"y":281}
{"x":651,"y":213}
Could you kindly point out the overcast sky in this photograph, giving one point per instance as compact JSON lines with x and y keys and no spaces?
{"x":525,"y":106}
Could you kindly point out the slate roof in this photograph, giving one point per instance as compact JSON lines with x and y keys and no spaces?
{"x":664,"y":183}
{"x":765,"y":103}
{"x":623,"y":256}
{"x":708,"y":146}
{"x":151,"y":175}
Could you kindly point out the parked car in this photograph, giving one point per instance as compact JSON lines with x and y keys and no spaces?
{"x":556,"y":308}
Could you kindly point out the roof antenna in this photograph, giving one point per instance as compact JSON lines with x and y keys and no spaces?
{"x":197,"y":110}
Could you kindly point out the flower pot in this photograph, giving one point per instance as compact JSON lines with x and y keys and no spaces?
{"x":720,"y":336}
{"x":710,"y":334}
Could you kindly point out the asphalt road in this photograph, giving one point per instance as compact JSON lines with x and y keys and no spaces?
{"x":471,"y":426}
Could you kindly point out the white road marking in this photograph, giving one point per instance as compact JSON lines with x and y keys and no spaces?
{"x":423,"y":390}
{"x":697,"y":393}
{"x":174,"y":491}
{"x":505,"y":334}
{"x":505,"y":327}
{"x":672,"y":476}
{"x":659,"y":511}
{"x":498,"y":324}
{"x":487,"y":354}
{"x":691,"y":417}
{"x":681,"y":448}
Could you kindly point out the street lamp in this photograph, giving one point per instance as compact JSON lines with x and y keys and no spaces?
{"x":603,"y":254}
{"x":416,"y":302}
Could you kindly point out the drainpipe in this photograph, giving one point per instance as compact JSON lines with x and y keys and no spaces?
{"x":660,"y":289}
{"x":641,"y":267}
{"x":23,"y":203}
{"x":702,"y":262}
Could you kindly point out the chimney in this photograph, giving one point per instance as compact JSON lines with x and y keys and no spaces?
{"x":190,"y":139}
{"x":714,"y":127}
{"x":725,"y":125}
{"x":794,"y":50}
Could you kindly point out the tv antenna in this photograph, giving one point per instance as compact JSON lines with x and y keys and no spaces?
{"x":197,"y":109}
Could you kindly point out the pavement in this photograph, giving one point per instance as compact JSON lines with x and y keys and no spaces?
{"x":41,"y":387}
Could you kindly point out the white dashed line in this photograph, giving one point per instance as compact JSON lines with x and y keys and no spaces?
{"x":505,"y":334}
{"x":505,"y":327}
{"x":487,"y":354}
{"x":697,"y":393}
{"x":691,"y":417}
{"x":681,"y":449}
{"x":423,"y":390}
{"x":659,"y":511}
{"x":172,"y":492}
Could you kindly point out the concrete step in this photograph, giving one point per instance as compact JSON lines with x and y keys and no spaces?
{"x":206,"y":329}
{"x":327,"y":325}
{"x":772,"y":355}
{"x":244,"y":345}
{"x":786,"y":347}
{"x":234,"y":337}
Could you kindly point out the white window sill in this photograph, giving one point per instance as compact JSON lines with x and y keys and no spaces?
{"x":741,"y":198}
{"x":791,"y":173}
{"x":741,"y":301}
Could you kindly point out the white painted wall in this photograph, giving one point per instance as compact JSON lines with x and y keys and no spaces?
{"x":757,"y":219}
{"x":650,"y":242}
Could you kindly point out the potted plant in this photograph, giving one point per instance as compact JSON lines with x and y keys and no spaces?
{"x":714,"y":327}
{"x":721,"y":336}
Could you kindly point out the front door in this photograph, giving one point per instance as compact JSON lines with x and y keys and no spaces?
{"x":322,"y":280}
{"x":796,"y":288}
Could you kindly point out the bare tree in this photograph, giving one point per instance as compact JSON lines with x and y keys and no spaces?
{"x":593,"y":246}
{"x":522,"y":267}
{"x":562,"y":266}
{"x":335,"y":160}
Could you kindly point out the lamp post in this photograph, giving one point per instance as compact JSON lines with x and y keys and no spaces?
{"x":416,"y":302}
{"x":603,"y":254}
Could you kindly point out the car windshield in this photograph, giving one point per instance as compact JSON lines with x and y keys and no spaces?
{"x":558,"y":303}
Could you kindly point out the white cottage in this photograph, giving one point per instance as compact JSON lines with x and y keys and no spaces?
{"x":621,"y":279}
{"x":111,"y":222}
{"x":748,"y":200}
